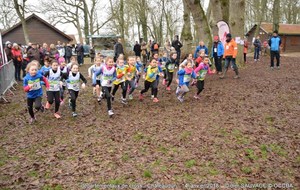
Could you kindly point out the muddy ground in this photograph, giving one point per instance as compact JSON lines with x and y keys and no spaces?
{"x":242,"y":131}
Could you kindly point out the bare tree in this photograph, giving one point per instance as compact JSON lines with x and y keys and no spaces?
{"x":7,"y":14}
{"x":20,"y":9}
{"x":186,"y":34}
{"x":276,"y":14}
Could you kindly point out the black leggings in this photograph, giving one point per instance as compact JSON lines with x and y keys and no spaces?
{"x":218,"y":63}
{"x":124,"y":89}
{"x":62,"y":91}
{"x":170,"y":78}
{"x":165,"y":74}
{"x":38,"y":105}
{"x":200,"y":86}
{"x":56,"y":96}
{"x":106,"y":90}
{"x":153,"y":86}
{"x":74,"y":95}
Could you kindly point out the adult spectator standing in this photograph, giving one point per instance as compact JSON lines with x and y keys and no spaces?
{"x":154,"y":47}
{"x":137,"y":49}
{"x":230,"y":56}
{"x":68,"y":53}
{"x":177,"y":45}
{"x":274,"y":44}
{"x":118,"y":49}
{"x":53,"y":52}
{"x":144,"y":53}
{"x":17,"y":59}
{"x":92,"y":54}
{"x":29,"y":45}
{"x":257,"y":48}
{"x":245,"y":49}
{"x":44,"y":52}
{"x":167,"y":47}
{"x":198,"y":48}
{"x":218,"y":51}
{"x":61,"y":49}
{"x":33,"y":53}
{"x":8,"y":50}
{"x":80,"y":53}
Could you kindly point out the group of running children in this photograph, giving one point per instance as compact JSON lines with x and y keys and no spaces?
{"x":58,"y":76}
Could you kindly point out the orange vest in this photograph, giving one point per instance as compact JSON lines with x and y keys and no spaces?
{"x":230,"y":49}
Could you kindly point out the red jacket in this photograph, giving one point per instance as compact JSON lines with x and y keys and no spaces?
{"x":17,"y":54}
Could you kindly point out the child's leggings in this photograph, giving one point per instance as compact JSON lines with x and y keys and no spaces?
{"x":200,"y":86}
{"x":124,"y":89}
{"x":56,"y":96}
{"x":74,"y":95}
{"x":153,"y":85}
{"x":106,"y":90}
{"x":38,"y":104}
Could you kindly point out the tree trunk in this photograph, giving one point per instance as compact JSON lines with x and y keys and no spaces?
{"x":262,"y":8}
{"x":225,"y":10}
{"x":276,"y":14}
{"x":78,"y":26}
{"x":143,"y":19}
{"x":86,"y":22}
{"x":20,"y":9}
{"x":237,"y":24}
{"x":200,"y":20}
{"x":186,"y":33}
{"x":216,"y":15}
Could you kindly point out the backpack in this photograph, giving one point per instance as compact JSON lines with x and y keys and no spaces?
{"x":155,"y":46}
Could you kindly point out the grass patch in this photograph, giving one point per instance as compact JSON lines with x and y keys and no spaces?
{"x":147,"y":174}
{"x":117,"y":181}
{"x":246,"y":170}
{"x":185,"y":135}
{"x":138,"y":136}
{"x":250,"y":154}
{"x":163,"y":149}
{"x":269,"y":119}
{"x":33,"y":173}
{"x":278,"y":150}
{"x":264,"y":151}
{"x":125,"y":157}
{"x":190,"y":163}
{"x":57,"y":187}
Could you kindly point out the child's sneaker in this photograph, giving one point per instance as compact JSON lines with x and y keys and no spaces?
{"x":155,"y":100}
{"x":277,"y":67}
{"x":130,"y":96}
{"x":123,"y":101}
{"x":141,"y":97}
{"x":74,"y":114}
{"x":57,"y":116}
{"x":168,"y":88}
{"x":152,"y":96}
{"x":31,"y":121}
{"x":110,"y":112}
{"x":99,"y":100}
{"x":196,"y":97}
{"x":47,"y":106}
{"x":180,"y":98}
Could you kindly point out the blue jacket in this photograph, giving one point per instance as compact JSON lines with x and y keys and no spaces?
{"x":181,"y":73}
{"x":139,"y":66}
{"x":220,"y":50}
{"x":198,"y":48}
{"x":159,"y":70}
{"x":274,"y":43}
{"x":36,"y":81}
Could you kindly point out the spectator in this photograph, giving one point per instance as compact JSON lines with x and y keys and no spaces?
{"x":29,"y":46}
{"x":274,"y":44}
{"x":33,"y":53}
{"x":144,"y":53}
{"x":198,"y":48}
{"x":53,"y":52}
{"x":17,"y":59}
{"x":8,"y":51}
{"x":137,"y":49}
{"x":167,"y":47}
{"x":44,"y":52}
{"x":92,"y":54}
{"x":118,"y":49}
{"x":61,"y":49}
{"x":257,"y":47}
{"x":154,"y":47}
{"x":80,"y":53}
{"x":177,"y":45}
{"x":245,"y":49}
{"x":217,"y":53}
{"x":68,"y":53}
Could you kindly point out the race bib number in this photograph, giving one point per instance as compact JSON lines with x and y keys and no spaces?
{"x":36,"y":84}
{"x":186,"y":78}
{"x":227,"y":47}
{"x":172,"y":66}
{"x":54,"y":85}
{"x":215,"y":50}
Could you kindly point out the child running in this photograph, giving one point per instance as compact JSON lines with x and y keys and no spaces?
{"x":139,"y":67}
{"x":108,"y":75}
{"x":73,"y":84}
{"x":64,"y":69}
{"x":185,"y":74}
{"x":53,"y":76}
{"x":91,"y":72}
{"x":170,"y":66}
{"x":32,"y":85}
{"x":131,"y":72}
{"x":163,"y":60}
{"x":120,"y":81}
{"x":152,"y":72}
{"x":201,"y":72}
{"x":46,"y":66}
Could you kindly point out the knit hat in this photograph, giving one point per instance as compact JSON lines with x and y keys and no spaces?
{"x":61,"y":60}
{"x":228,"y":35}
{"x":216,"y":38}
{"x":7,"y":42}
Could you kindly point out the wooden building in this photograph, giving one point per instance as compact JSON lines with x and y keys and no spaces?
{"x":39,"y":31}
{"x":289,"y":33}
